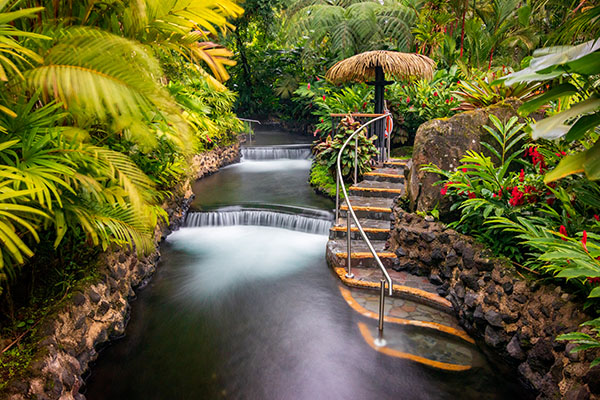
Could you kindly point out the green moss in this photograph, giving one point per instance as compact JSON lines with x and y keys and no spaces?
{"x":321,"y":180}
{"x":402,"y":152}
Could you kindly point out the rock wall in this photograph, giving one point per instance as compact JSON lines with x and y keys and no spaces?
{"x":97,"y":313}
{"x":511,"y":316}
{"x":443,"y":142}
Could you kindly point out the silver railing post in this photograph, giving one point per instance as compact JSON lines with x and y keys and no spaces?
{"x":380,"y":341}
{"x":356,"y":159}
{"x":349,"y":273}
{"x":337,"y":199}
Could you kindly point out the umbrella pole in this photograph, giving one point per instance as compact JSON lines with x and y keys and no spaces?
{"x":379,"y":125}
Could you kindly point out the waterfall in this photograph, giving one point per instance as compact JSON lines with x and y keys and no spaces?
{"x":275,"y":219}
{"x":292,"y":152}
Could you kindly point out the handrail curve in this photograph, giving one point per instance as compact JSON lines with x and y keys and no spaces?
{"x":351,"y":210}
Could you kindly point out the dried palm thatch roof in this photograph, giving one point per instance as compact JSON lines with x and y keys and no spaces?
{"x":361,"y":67}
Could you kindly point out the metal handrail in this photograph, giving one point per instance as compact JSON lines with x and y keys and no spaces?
{"x":339,"y":179}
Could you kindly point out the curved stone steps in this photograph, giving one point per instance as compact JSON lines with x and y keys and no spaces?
{"x":369,"y":207}
{"x":385,"y":175}
{"x":376,"y":189}
{"x":404,"y":312}
{"x":376,"y":229}
{"x":430,"y":350}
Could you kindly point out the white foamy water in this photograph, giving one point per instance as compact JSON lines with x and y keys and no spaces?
{"x":221,"y":258}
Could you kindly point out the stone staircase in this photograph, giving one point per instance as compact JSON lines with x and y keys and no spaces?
{"x":372,"y":200}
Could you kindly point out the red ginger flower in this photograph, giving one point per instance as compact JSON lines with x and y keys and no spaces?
{"x":472,"y":195}
{"x":563,"y":231}
{"x":597,"y":217}
{"x":308,"y":86}
{"x":584,"y":240}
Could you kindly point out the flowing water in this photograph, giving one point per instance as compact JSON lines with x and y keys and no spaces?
{"x":243,"y":306}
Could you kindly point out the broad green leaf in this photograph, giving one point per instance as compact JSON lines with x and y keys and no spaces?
{"x":595,"y":292}
{"x":582,"y":126}
{"x":555,"y":126}
{"x":565,"y":89}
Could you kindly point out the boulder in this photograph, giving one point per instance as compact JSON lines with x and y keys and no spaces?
{"x":443,"y":142}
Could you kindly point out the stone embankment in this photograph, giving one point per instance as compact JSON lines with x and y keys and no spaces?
{"x":94,"y":314}
{"x":516,"y":317}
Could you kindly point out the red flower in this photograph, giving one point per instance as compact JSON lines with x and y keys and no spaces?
{"x":593,"y":280}
{"x":308,"y":86}
{"x":444,"y":190}
{"x":435,"y":94}
{"x":458,"y":82}
{"x":550,"y":200}
{"x":408,"y":99}
{"x":318,"y":79}
{"x":561,"y":154}
{"x":517,"y":197}
{"x":522,"y":175}
{"x":451,"y":98}
{"x":584,"y":240}
{"x":323,"y":97}
{"x":597,"y":217}
{"x":472,"y":195}
{"x":464,"y":170}
{"x":321,"y":120}
{"x":563,"y":231}
{"x":447,"y":101}
{"x":364,"y":105}
{"x":423,"y":105}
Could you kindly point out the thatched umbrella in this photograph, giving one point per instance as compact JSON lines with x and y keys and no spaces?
{"x":376,"y":65}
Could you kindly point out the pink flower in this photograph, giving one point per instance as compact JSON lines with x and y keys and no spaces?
{"x":318,"y":79}
{"x":308,"y":86}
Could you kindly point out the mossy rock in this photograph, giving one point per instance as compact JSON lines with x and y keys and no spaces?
{"x":444,"y":142}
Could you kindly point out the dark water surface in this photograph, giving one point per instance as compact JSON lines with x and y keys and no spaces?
{"x":253,"y":312}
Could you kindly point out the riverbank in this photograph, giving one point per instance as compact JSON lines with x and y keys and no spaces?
{"x":516,"y":319}
{"x":70,"y":335}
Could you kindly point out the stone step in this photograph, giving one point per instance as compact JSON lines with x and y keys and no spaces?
{"x":374,"y":228}
{"x":360,"y":253}
{"x":377,"y":189}
{"x":436,"y":351}
{"x":385,"y":175}
{"x":404,"y":312}
{"x":369,"y":207}
{"x":396,"y":163}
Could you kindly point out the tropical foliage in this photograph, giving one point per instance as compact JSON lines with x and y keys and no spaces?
{"x":99,"y":105}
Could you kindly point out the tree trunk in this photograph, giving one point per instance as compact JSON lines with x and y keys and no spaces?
{"x":462,"y":32}
{"x":245,"y":66}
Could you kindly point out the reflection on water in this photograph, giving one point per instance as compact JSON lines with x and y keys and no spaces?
{"x":280,"y":182}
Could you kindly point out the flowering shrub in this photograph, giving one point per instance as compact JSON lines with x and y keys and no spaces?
{"x":413,"y":104}
{"x":326,"y":151}
{"x":496,"y":197}
{"x":323,"y":99}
